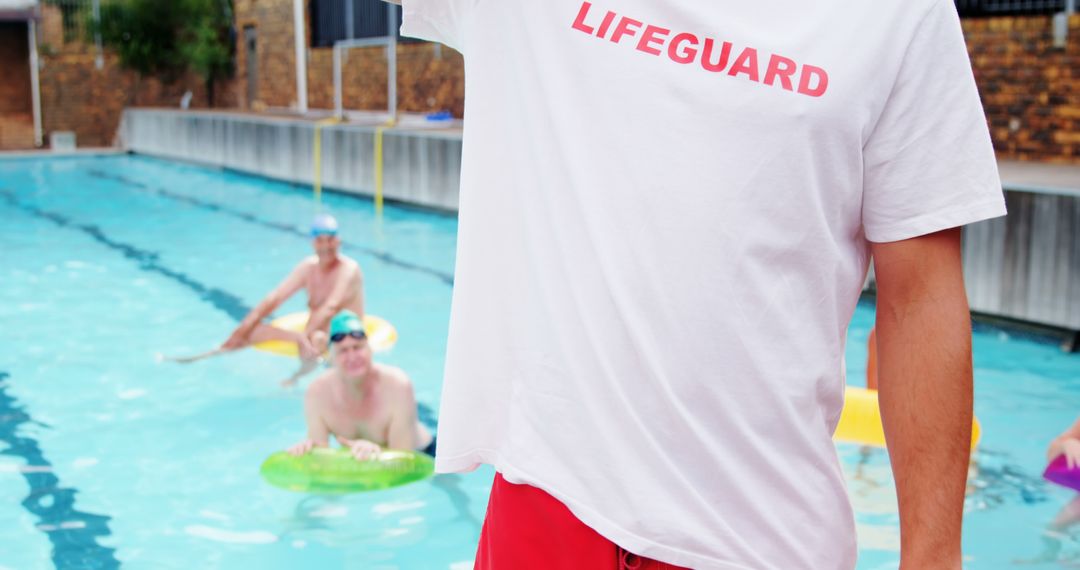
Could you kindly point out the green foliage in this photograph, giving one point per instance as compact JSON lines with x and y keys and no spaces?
{"x":170,"y":36}
{"x":206,"y":45}
{"x":143,"y":33}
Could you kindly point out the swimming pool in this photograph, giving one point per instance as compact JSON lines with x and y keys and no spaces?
{"x":109,"y":458}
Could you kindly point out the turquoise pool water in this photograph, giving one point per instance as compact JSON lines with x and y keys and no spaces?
{"x":109,"y":458}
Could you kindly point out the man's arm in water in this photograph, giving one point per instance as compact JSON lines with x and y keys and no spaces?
{"x":318,"y":434}
{"x":925,"y":391}
{"x":287,"y":288}
{"x":349,"y":283}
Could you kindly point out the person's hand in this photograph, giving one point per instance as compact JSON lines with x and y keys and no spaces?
{"x":361,"y":449}
{"x":1070,"y":448}
{"x":307,"y":348}
{"x":301,"y":448}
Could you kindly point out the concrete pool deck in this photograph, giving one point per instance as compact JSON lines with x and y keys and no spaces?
{"x":1040,"y":177}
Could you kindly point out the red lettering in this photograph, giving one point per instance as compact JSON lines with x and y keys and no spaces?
{"x":809,"y":72}
{"x":780,"y":68}
{"x":706,"y":57}
{"x":684,"y":48}
{"x":579,"y":23}
{"x":686,"y":55}
{"x":746,"y":63}
{"x":652,"y":35}
{"x":606,"y":24}
{"x":623,"y":29}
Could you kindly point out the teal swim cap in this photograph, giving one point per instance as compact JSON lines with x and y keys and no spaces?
{"x":324,"y":225}
{"x":346,"y":323}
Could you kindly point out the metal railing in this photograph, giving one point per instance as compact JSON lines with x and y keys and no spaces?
{"x":390,"y":44}
{"x":391,"y":19}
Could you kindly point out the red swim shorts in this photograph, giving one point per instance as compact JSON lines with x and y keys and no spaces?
{"x":526,"y":528}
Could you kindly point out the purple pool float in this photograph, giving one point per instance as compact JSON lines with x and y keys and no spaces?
{"x":1059,"y":472}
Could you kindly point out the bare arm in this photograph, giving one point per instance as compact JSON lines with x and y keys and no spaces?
{"x":317,"y":431}
{"x":287,"y":288}
{"x":871,"y":361}
{"x":318,"y":434}
{"x":402,"y":432}
{"x":1057,"y":447}
{"x":925,"y":390}
{"x":349,"y":284}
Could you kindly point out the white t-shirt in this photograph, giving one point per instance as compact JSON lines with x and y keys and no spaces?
{"x":664,"y":215}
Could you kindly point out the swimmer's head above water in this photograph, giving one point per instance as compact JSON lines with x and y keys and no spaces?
{"x":324,"y":225}
{"x":348,"y":341}
{"x":347,"y":324}
{"x":324,"y":230}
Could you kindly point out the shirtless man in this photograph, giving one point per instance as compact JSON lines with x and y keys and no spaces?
{"x":364,"y":405}
{"x":333,"y":282}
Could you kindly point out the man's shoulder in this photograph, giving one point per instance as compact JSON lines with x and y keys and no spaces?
{"x":349,"y":262}
{"x":319,"y":387}
{"x":393,"y":378}
{"x":307,"y":263}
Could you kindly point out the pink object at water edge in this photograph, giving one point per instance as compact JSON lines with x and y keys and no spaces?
{"x":1059,"y":472}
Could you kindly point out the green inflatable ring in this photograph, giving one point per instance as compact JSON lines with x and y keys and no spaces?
{"x":325,"y":470}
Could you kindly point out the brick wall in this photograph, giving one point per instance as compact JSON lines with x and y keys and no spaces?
{"x":50,"y":31}
{"x":275,"y":68}
{"x":77,"y":96}
{"x":1030,"y":89}
{"x":430,"y":78}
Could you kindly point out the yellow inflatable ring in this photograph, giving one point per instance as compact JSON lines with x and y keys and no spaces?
{"x":860,"y":422}
{"x":381,"y":334}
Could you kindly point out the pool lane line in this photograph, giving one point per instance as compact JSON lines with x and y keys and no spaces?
{"x":383,"y":256}
{"x":226,"y":302}
{"x":73,"y":533}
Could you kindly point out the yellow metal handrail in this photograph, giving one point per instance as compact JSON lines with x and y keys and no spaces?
{"x":316,"y":159}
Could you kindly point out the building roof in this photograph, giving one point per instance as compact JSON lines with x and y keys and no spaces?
{"x":18,"y":9}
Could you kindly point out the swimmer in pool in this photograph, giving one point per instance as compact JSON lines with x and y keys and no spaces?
{"x":366,"y":406}
{"x":333,"y":283}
